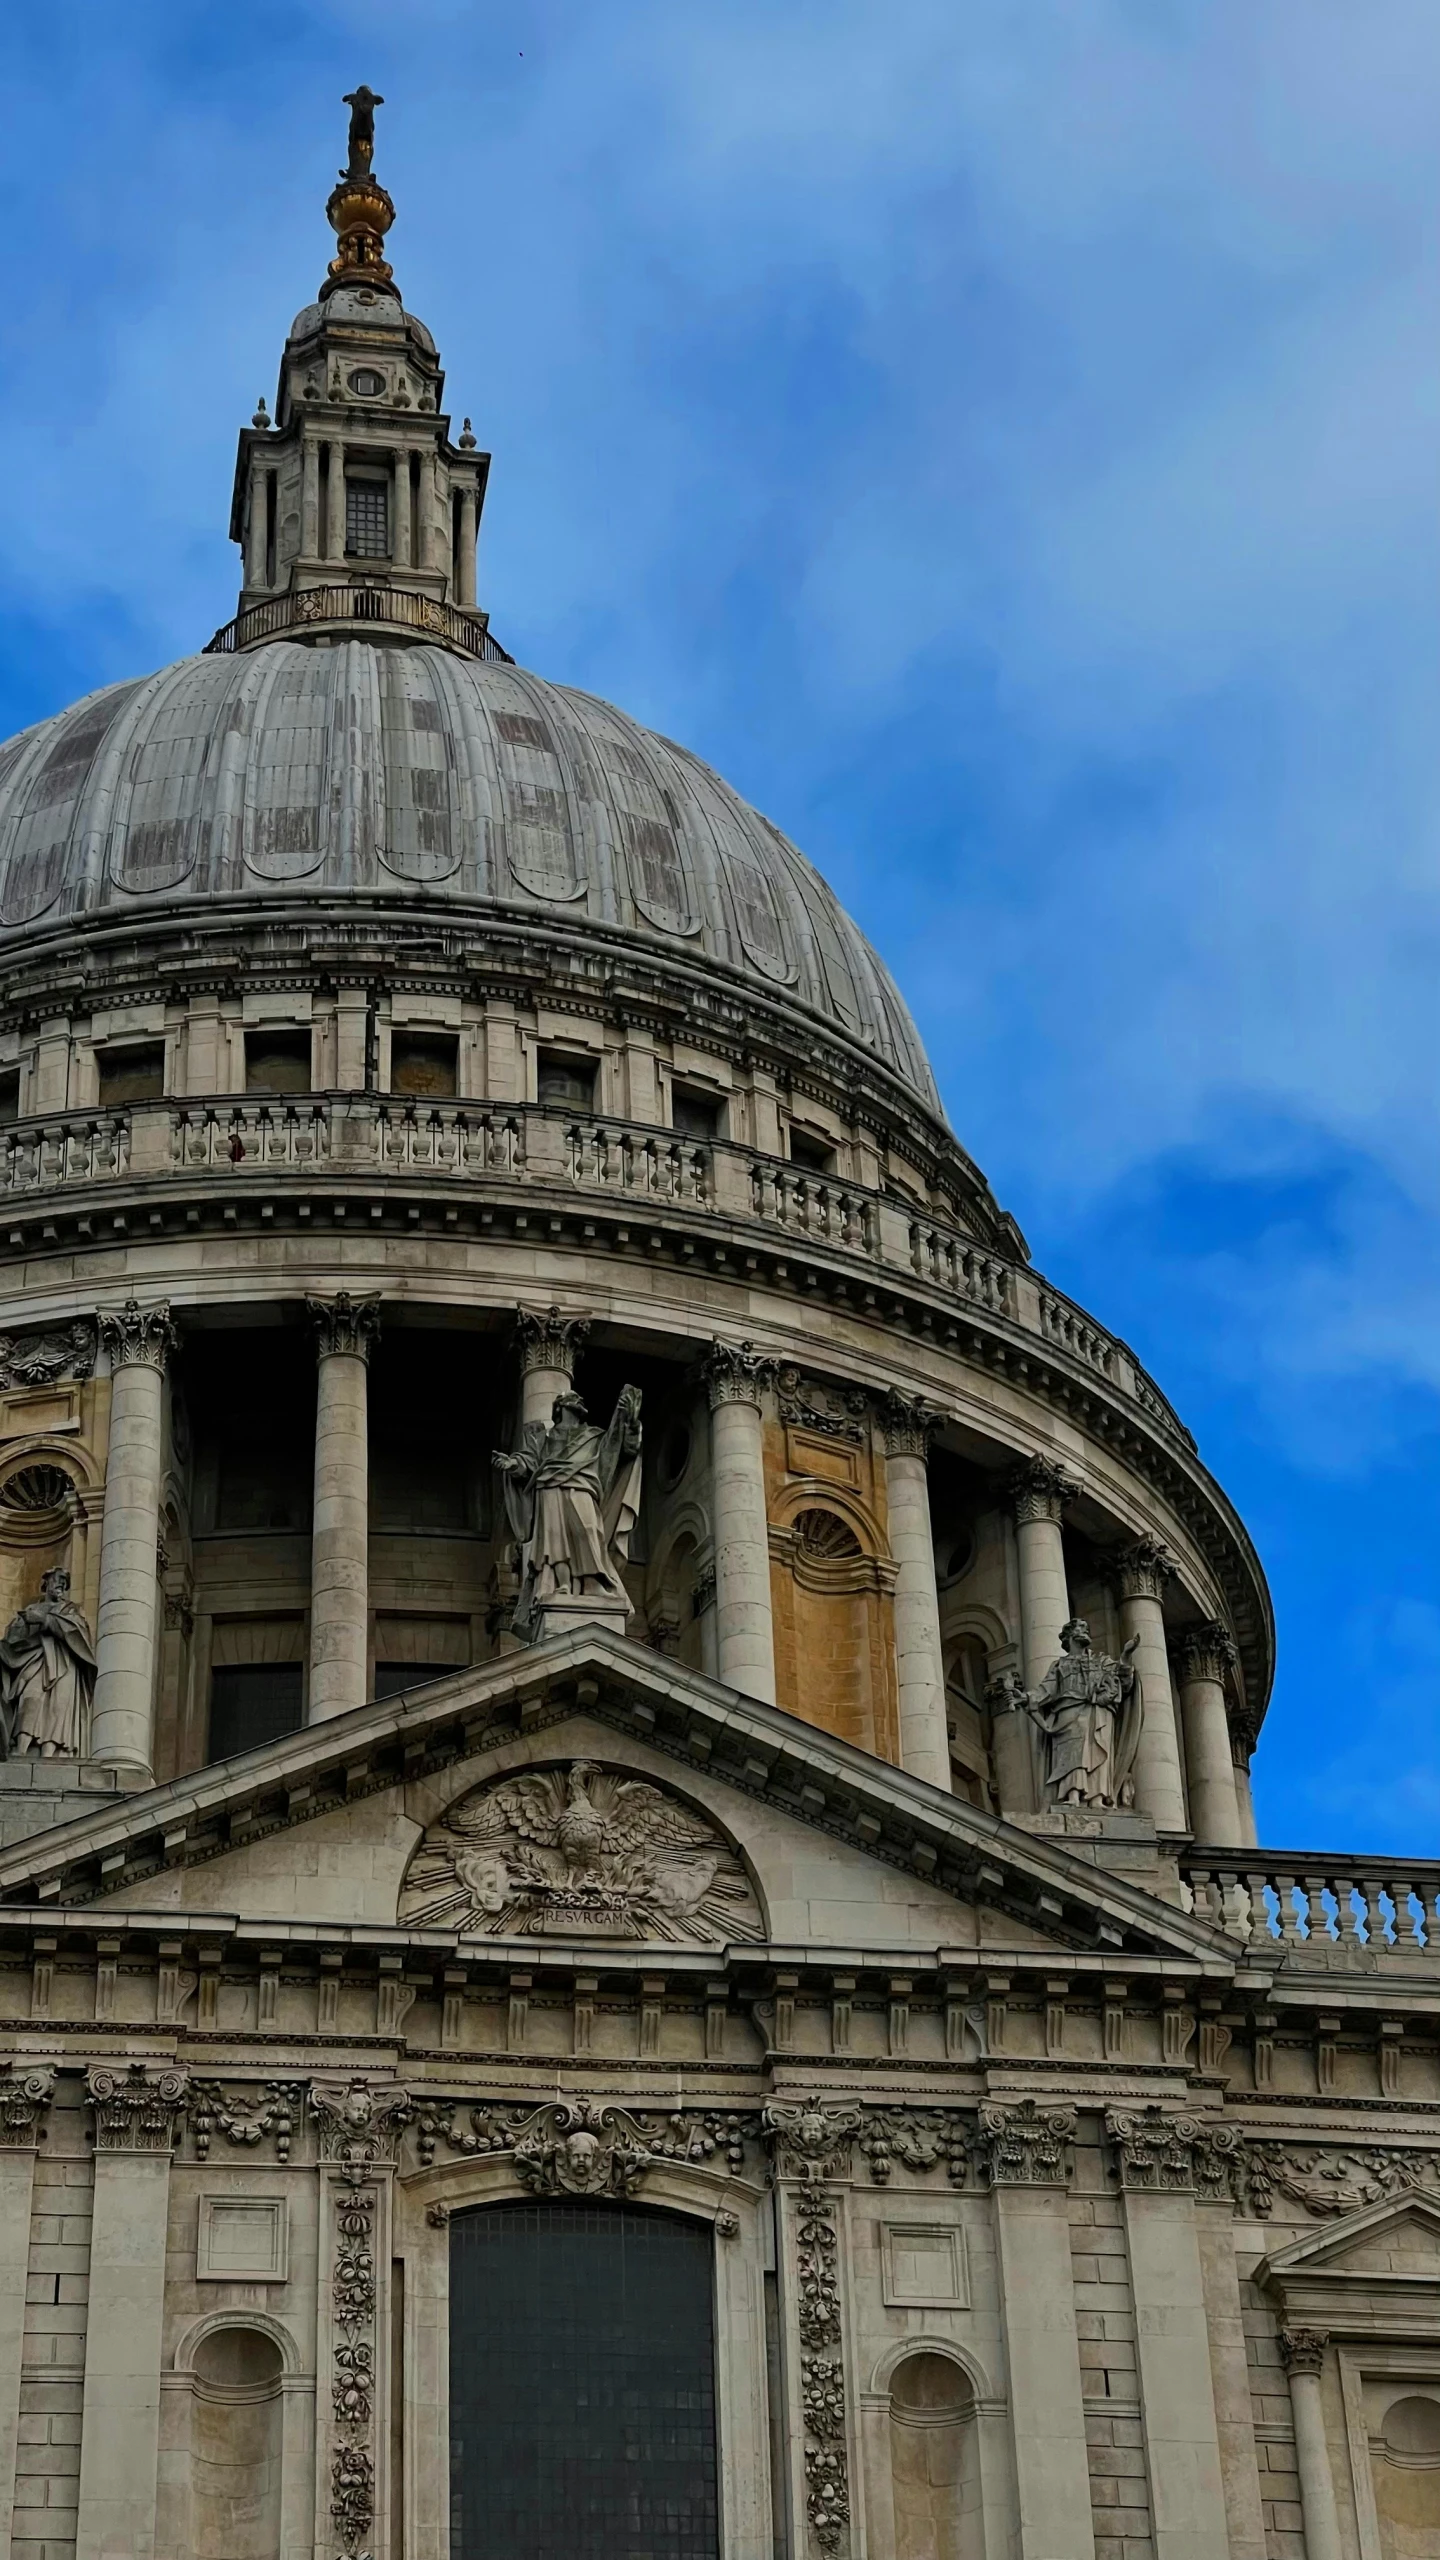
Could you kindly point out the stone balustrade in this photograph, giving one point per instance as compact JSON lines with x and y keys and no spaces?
{"x":1311,"y":1909}
{"x":536,"y":1143}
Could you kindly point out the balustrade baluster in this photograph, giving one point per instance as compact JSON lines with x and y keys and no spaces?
{"x":1286,"y":1911}
{"x":1347,"y":1922}
{"x":1318,"y":1923}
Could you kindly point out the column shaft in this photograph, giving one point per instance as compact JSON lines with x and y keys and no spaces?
{"x":1202,"y":1655}
{"x":919,"y":1654}
{"x":335,"y":505}
{"x":1142,"y":1572}
{"x":340,"y":1535}
{"x":255,"y":527}
{"x":1312,"y":2453}
{"x":400,"y":511}
{"x":466,"y":562}
{"x":309,"y":498}
{"x":127,"y":1614}
{"x":744,"y":1622}
{"x":1038,"y":1491}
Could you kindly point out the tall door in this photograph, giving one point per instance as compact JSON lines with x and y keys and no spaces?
{"x":582,"y":2385}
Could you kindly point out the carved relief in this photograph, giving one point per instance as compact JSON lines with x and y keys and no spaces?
{"x":246,"y":2117}
{"x":138,"y":1337}
{"x":822,"y":2366}
{"x":352,"y":2383}
{"x":358,"y":2124}
{"x":812,"y":2142}
{"x":579,"y":1850}
{"x":24,"y":2097}
{"x":1330,"y":2183}
{"x":696,"y":2137}
{"x":1153,"y":2150}
{"x":43,"y":1359}
{"x":47,"y":1675}
{"x":919,"y":2138}
{"x":809,"y":1404}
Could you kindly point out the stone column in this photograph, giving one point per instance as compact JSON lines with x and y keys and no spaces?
{"x":1141,"y":1573}
{"x":1202,"y":1656}
{"x":1153,"y":2159}
{"x":549,"y":1347}
{"x":345,"y":1327}
{"x":736,"y":1379}
{"x":309,"y":496}
{"x":400,"y":511}
{"x":466,"y":563}
{"x":1026,"y":2154}
{"x":136,"y":2118}
{"x":255,"y":526}
{"x":919,"y":1655}
{"x":1303,"y":2354}
{"x":25,"y":2093}
{"x":335,"y":506}
{"x":139,"y":1341}
{"x":1244,"y":1734}
{"x":1038,"y":1492}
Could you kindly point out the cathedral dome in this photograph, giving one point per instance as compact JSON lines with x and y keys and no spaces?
{"x":384,"y":774}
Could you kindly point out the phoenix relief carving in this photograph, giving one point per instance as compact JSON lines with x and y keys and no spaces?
{"x":579,"y":1850}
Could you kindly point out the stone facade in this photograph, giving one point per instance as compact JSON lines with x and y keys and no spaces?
{"x":1067,"y":2163}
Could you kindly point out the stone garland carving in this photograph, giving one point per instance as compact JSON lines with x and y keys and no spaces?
{"x":836,"y":1413}
{"x":585,"y":2148}
{"x":1329,"y":2183}
{"x":822,"y":2368}
{"x":138,"y":1337}
{"x":136,"y":2109}
{"x":247,"y":2116}
{"x":24,"y":2097}
{"x":358,"y":2124}
{"x":582,"y":1850}
{"x":1026,"y":2145}
{"x":43,"y":1359}
{"x":359,"y":2127}
{"x":919,"y":2138}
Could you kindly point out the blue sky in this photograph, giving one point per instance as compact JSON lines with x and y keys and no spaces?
{"x":1005,"y":439}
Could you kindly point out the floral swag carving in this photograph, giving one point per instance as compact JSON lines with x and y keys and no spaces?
{"x":583,"y":2148}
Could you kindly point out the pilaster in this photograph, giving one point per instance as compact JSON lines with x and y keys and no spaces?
{"x":1154,"y":2166}
{"x":1025,"y":2151}
{"x":25,"y":2094}
{"x":136,"y":2115}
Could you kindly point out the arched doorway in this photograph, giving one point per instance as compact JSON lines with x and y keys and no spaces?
{"x":582,"y":2384}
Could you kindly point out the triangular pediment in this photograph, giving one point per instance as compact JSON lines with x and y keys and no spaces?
{"x":1398,"y":2237}
{"x":392,"y":1787}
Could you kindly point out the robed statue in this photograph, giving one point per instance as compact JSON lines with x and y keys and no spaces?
{"x":47,"y":1674}
{"x":362,"y":103}
{"x":572,"y":1497}
{"x":1088,"y":1709}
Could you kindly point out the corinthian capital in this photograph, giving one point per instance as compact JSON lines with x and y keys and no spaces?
{"x":345,"y":1324}
{"x":736,"y":1373}
{"x":136,"y":2109}
{"x":1153,"y":2149}
{"x":1039,"y":1491}
{"x":24,"y":2097}
{"x":1143,"y":1569}
{"x":908,"y":1424}
{"x":1303,"y":2350}
{"x":551,"y":1341}
{"x":138,"y":1337}
{"x":1028,"y":2145}
{"x":1205,"y":1652}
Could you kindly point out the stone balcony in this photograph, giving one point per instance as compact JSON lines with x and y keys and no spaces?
{"x":1335,"y":1910}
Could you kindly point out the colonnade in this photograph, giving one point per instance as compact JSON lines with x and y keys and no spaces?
{"x":737,"y":1381}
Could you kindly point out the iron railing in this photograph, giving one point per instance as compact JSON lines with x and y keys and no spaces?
{"x":303,"y":608}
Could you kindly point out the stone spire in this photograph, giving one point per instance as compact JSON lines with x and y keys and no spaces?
{"x":356,"y":512}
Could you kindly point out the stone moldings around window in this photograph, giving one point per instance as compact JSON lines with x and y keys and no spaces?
{"x":579,"y":1850}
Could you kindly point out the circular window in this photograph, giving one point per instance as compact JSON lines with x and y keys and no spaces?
{"x":367,"y":383}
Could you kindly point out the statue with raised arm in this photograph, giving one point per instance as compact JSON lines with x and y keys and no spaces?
{"x":362,"y":103}
{"x":47,"y":1673}
{"x":1088,"y":1709}
{"x":572,"y":1497}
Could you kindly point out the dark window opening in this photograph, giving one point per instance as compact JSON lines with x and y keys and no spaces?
{"x":566,"y":1080}
{"x":414,"y":511}
{"x":367,"y":382}
{"x":424,"y":1062}
{"x":392,"y":1677}
{"x":322,"y":527}
{"x":131,"y":1075}
{"x":254,"y":1702}
{"x":810,"y":1153}
{"x":694,"y":1114}
{"x":367,"y":519}
{"x":9,"y":1097}
{"x":277,"y":1062}
{"x":582,"y":2385}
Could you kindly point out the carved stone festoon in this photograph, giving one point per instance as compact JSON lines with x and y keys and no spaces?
{"x":44,"y":1359}
{"x":246,"y":2117}
{"x":551,"y":1340}
{"x":812,"y":2142}
{"x":138,"y":2108}
{"x":344,"y":1324}
{"x":24,"y":2097}
{"x":137,"y":1337}
{"x":1026,"y":2145}
{"x":736,"y":1373}
{"x":359,"y":2124}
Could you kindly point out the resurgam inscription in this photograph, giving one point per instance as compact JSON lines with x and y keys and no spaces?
{"x":582,"y":1849}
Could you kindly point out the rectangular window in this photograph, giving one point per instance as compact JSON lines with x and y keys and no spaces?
{"x":253,"y":1702}
{"x":131,"y":1075}
{"x":810,"y":1153}
{"x":695,"y":1115}
{"x":9,"y":1096}
{"x":424,"y":1062}
{"x":563,"y":1079}
{"x":277,"y":1062}
{"x":367,"y":519}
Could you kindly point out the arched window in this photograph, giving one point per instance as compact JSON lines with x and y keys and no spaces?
{"x":932,"y":2461}
{"x":582,"y":2384}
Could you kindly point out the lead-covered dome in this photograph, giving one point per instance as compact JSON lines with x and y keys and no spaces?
{"x":366,"y":771}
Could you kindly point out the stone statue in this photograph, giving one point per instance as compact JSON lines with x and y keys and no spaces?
{"x":1088,"y":1709}
{"x":362,"y":103}
{"x":47,"y":1673}
{"x":572,"y":1497}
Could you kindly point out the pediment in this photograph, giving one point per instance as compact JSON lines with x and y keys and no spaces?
{"x":743,"y":1800}
{"x":1400,"y":2236}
